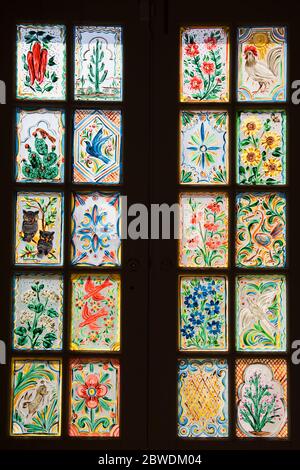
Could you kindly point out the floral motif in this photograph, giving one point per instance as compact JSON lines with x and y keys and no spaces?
{"x":96,"y":238}
{"x":204,"y":64}
{"x":261,"y":313}
{"x":261,"y":238}
{"x":262,"y":147}
{"x":203,"y":316}
{"x":261,"y":398}
{"x":204,"y":147}
{"x":95,"y":312}
{"x":38,"y":312}
{"x":95,"y":398}
{"x":204,"y":230}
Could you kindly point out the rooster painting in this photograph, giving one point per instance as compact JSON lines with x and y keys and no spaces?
{"x":264,"y":72}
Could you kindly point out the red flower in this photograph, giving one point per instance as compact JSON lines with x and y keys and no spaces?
{"x":196,"y":83}
{"x":91,"y":391}
{"x":208,"y":67}
{"x":214,"y":207}
{"x":211,"y":43}
{"x":192,"y":49}
{"x":213,"y":244}
{"x":211,"y":227}
{"x":196,"y":218}
{"x":251,"y":49}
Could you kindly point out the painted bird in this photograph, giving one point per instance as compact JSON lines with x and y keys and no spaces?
{"x":262,"y":71}
{"x":94,"y":149}
{"x":94,"y":291}
{"x":90,"y":319}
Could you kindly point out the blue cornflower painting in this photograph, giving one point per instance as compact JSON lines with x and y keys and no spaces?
{"x":203,"y":313}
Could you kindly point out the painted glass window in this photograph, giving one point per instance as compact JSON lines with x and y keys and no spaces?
{"x":96,"y":229}
{"x":261,"y":147}
{"x":261,"y":313}
{"x":261,"y":398}
{"x":203,"y":230}
{"x":203,"y":313}
{"x":261,"y":230}
{"x":36,"y":397}
{"x":204,"y":147}
{"x":39,"y":228}
{"x":97,"y":146}
{"x":262,"y":63}
{"x":40,"y":145}
{"x":37,"y":311}
{"x":41,"y":62}
{"x":95,"y":312}
{"x":94,"y":400}
{"x":203,"y":398}
{"x":204,"y":62}
{"x":98,"y":63}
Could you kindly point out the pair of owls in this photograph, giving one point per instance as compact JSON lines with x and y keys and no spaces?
{"x":30,"y":228}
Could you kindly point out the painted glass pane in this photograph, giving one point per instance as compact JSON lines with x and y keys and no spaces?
{"x":261,"y":313}
{"x":40,"y":145}
{"x":262,"y":64}
{"x":98,"y":63}
{"x":97,"y":146}
{"x":204,"y":64}
{"x":95,"y":312}
{"x":261,"y":230}
{"x":203,"y":398}
{"x":261,"y":397}
{"x":261,"y":147}
{"x":41,"y":62}
{"x":39,"y":228}
{"x":95,"y":397}
{"x":38,"y":311}
{"x":96,"y":229}
{"x":36,"y":397}
{"x":204,"y":147}
{"x":203,"y":313}
{"x":203,"y":230}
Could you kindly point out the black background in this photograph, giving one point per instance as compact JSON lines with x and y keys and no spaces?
{"x":149,"y":268}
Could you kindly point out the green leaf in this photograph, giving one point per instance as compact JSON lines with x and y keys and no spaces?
{"x":52,"y":313}
{"x":20,"y":331}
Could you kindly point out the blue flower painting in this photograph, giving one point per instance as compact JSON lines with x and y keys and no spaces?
{"x":203,"y":313}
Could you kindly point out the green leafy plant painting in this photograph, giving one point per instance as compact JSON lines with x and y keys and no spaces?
{"x":204,"y":64}
{"x":38,"y":300}
{"x":262,"y":399}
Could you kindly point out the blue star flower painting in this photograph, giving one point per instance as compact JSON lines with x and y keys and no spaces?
{"x":203,"y":147}
{"x":96,"y":229}
{"x":203,"y":313}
